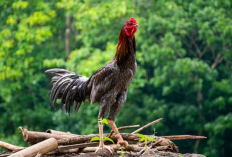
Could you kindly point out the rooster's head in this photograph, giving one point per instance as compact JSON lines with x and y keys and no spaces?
{"x":131,"y":27}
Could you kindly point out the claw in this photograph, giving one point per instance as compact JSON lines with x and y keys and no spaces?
{"x":122,"y":143}
{"x":110,"y":149}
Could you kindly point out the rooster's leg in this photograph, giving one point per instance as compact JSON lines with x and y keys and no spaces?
{"x":120,"y":140}
{"x":101,"y":144}
{"x":111,"y":118}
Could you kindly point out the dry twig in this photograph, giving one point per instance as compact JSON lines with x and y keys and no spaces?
{"x":145,"y":126}
{"x":183,"y":137}
{"x":125,"y":127}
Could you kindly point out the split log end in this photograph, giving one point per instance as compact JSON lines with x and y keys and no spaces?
{"x":24,"y":132}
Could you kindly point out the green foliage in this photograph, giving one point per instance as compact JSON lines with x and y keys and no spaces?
{"x":184,"y":66}
{"x":122,"y":152}
{"x":96,"y":138}
{"x":108,"y":139}
{"x":145,"y":139}
{"x":103,"y":121}
{"x":154,"y":132}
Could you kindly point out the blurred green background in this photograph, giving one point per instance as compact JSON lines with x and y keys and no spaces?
{"x":184,"y":71}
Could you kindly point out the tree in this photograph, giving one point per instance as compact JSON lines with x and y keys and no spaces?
{"x":184,"y":65}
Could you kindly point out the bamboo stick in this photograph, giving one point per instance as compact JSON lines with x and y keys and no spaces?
{"x":42,"y":148}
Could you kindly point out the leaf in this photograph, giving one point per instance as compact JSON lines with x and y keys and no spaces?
{"x":104,"y":121}
{"x":108,"y":139}
{"x":140,"y":135}
{"x":96,"y":138}
{"x":121,"y":148}
{"x":142,"y":139}
{"x":151,"y":139}
{"x":100,"y":120}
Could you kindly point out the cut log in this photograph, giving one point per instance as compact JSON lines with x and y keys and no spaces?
{"x":10,"y":146}
{"x":35,"y":137}
{"x":39,"y":148}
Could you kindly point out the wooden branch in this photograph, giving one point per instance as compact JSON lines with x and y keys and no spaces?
{"x":87,"y":138}
{"x":82,"y":145}
{"x":128,"y":127}
{"x":10,"y":146}
{"x":126,"y":136}
{"x":189,"y":48}
{"x":60,"y":132}
{"x":58,"y":151}
{"x":204,"y":51}
{"x":42,"y":148}
{"x":219,"y":58}
{"x":34,"y":137}
{"x":194,"y":43}
{"x":125,"y":127}
{"x":183,"y":137}
{"x":145,"y":126}
{"x":129,"y":148}
{"x":178,"y":54}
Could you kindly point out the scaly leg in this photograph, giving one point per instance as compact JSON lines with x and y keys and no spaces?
{"x":101,"y":144}
{"x":120,"y":142}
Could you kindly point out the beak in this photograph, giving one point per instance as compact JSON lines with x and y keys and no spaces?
{"x":137,"y":25}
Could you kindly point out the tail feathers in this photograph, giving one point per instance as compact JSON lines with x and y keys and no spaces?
{"x":69,"y":87}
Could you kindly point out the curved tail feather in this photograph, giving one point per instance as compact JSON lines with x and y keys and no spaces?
{"x":69,"y":87}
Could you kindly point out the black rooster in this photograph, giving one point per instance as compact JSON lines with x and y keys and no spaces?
{"x":108,"y":86}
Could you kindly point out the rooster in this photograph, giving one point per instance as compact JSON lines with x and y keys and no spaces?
{"x":108,"y":86}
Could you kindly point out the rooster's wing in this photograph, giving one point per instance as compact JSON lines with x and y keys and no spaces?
{"x":103,"y":81}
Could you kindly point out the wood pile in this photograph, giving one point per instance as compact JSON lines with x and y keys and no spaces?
{"x":57,"y":143}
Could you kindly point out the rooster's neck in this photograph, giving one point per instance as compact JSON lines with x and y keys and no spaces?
{"x":125,"y":50}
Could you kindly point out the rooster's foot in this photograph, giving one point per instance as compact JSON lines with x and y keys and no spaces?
{"x":122,"y":143}
{"x":101,"y":147}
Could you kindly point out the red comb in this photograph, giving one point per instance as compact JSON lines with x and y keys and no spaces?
{"x":133,"y":20}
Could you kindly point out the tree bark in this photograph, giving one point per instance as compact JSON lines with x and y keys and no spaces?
{"x":67,"y":36}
